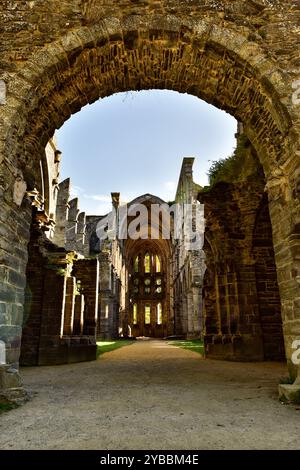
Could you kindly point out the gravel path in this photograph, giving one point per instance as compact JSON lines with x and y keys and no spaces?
{"x":151,"y":395}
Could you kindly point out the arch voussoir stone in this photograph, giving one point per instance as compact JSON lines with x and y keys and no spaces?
{"x":219,"y":54}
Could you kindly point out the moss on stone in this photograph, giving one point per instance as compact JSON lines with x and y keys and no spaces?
{"x":236,"y":168}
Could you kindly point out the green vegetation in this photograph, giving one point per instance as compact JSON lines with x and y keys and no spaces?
{"x":296,"y":399}
{"x":108,"y":346}
{"x":234,"y":168}
{"x":195,"y":345}
{"x":57,"y":269}
{"x":7,"y":407}
{"x":286,"y":380}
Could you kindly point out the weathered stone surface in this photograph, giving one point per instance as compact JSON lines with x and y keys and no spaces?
{"x":289,"y":393}
{"x":242,"y":311}
{"x":242,"y":56}
{"x":50,"y":334}
{"x":62,"y":209}
{"x":9,"y":378}
{"x":188,"y":265}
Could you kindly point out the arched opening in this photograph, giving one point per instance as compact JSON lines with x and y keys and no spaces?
{"x":212,"y":63}
{"x":240,"y":290}
{"x":267,"y":285}
{"x":148,"y":300}
{"x":147,"y":293}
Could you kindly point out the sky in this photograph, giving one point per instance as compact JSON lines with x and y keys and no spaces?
{"x":134,"y":143}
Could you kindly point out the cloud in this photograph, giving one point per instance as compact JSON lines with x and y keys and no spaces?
{"x":75,"y":191}
{"x":170,"y":185}
{"x":98,"y":197}
{"x":103,"y":208}
{"x":169,"y":190}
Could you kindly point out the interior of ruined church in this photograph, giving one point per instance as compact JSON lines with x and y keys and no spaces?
{"x":62,"y":288}
{"x":80,"y":288}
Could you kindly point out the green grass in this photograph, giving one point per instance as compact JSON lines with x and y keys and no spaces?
{"x":286,"y":380}
{"x":7,"y":407}
{"x":195,"y":345}
{"x":108,"y":346}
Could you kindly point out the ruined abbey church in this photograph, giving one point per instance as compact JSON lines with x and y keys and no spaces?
{"x":61,"y":287}
{"x":81,"y":287}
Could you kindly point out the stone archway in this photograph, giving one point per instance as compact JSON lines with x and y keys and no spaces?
{"x":215,"y":54}
{"x":149,"y":288}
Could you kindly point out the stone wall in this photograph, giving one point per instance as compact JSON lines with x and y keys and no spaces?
{"x":188,"y":265}
{"x":242,"y":310}
{"x":57,"y":326}
{"x":55,"y":57}
{"x":61,"y":213}
{"x":267,"y":285}
{"x":109,"y":299}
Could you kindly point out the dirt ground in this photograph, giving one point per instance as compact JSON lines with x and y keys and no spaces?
{"x":151,"y":395}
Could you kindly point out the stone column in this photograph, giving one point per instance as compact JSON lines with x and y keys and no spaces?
{"x":62,"y":209}
{"x":87,"y":271}
{"x":52,"y":317}
{"x":249,"y":322}
{"x":71,"y":226}
{"x":69,"y":306}
{"x":15,"y":220}
{"x":78,"y":315}
{"x":80,"y":235}
{"x":284,"y":213}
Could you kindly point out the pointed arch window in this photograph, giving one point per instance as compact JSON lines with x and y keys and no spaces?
{"x":135,"y":314}
{"x":147,"y":263}
{"x":159,"y":318}
{"x":157,"y":264}
{"x":147,"y":314}
{"x":136,"y":264}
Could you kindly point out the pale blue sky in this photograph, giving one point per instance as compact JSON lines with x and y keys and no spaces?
{"x":134,"y":143}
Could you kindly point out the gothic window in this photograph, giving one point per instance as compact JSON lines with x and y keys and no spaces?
{"x":135,"y":314}
{"x":148,"y":279}
{"x":147,"y":263}
{"x":147,"y":314}
{"x":157,"y":264}
{"x":106,"y":311}
{"x":159,"y":314}
{"x":147,"y":283}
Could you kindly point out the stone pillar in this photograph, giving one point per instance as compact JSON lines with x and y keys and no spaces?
{"x":218,"y":305}
{"x":249,"y":322}
{"x":15,"y":220}
{"x":87,"y":271}
{"x":184,"y":310}
{"x":71,"y":226}
{"x":52,"y":318}
{"x":287,"y":255}
{"x":62,"y":210}
{"x":78,"y":315}
{"x":2,"y":353}
{"x":69,"y":306}
{"x":34,"y":297}
{"x":284,"y":207}
{"x":80,"y":235}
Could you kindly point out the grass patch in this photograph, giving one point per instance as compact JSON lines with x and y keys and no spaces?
{"x":286,"y":380}
{"x":296,"y":398}
{"x":196,"y":345}
{"x":7,"y":407}
{"x":108,"y":346}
